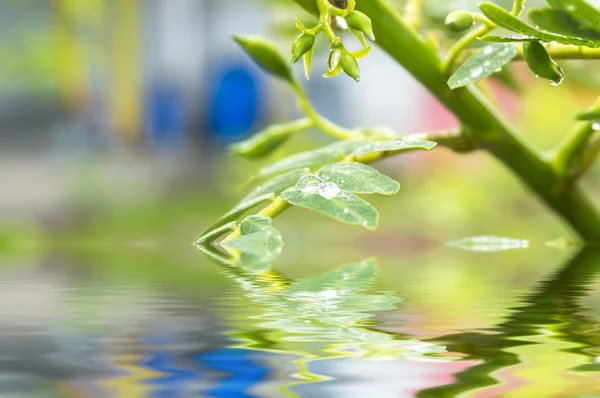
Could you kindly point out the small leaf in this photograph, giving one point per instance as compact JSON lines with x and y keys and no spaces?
{"x":266,"y":55}
{"x":262,"y":143}
{"x":259,"y":245}
{"x":359,"y":21}
{"x":237,"y":211}
{"x":561,"y":22}
{"x":586,"y":14}
{"x":344,"y":206}
{"x":506,"y":20}
{"x":358,"y":178}
{"x":395,"y":145}
{"x":483,"y":64}
{"x":316,"y":157}
{"x":489,"y":244}
{"x":592,"y":116}
{"x":276,"y":184}
{"x":307,"y":59}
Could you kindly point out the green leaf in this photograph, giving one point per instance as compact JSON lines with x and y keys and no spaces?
{"x":395,"y":145}
{"x":506,"y":20}
{"x":489,"y":244}
{"x":265,"y":142}
{"x":237,"y":211}
{"x":343,"y":206}
{"x":586,"y":14}
{"x":561,"y":22}
{"x":592,"y":116}
{"x":483,"y":64}
{"x":259,"y":245}
{"x":277,"y":184}
{"x":266,"y":55}
{"x":358,"y":178}
{"x":316,"y":157}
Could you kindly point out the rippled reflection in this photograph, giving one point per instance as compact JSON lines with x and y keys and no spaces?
{"x":324,"y":317}
{"x":528,"y":354}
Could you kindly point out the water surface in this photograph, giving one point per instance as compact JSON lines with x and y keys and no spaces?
{"x":144,"y":323}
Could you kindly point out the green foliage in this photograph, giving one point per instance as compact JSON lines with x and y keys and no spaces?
{"x":485,"y":63}
{"x":526,"y":32}
{"x":259,"y":244}
{"x":327,"y":179}
{"x":358,"y":178}
{"x":330,"y":200}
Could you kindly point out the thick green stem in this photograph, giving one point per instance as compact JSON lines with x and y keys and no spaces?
{"x":473,"y":110}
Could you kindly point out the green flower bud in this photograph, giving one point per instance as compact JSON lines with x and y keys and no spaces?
{"x":359,"y":21}
{"x":540,"y":62}
{"x":301,"y":46}
{"x":266,"y":55}
{"x":350,"y":65}
{"x":459,"y":21}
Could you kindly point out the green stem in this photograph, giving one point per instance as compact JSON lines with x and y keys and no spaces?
{"x":560,"y":51}
{"x":570,"y":158}
{"x":518,"y":7}
{"x":412,"y":13}
{"x":475,"y":112}
{"x":319,"y":121}
{"x":465,"y":42}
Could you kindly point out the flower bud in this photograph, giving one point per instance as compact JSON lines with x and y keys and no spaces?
{"x":301,"y":46}
{"x":359,"y":21}
{"x":334,"y":58}
{"x":350,"y":65}
{"x":459,"y":21}
{"x":540,"y":62}
{"x":266,"y":55}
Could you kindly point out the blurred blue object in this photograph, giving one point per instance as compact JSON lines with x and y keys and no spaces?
{"x":166,"y":115}
{"x":234,"y":102}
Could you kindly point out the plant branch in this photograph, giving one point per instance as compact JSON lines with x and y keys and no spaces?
{"x":561,"y":51}
{"x":571,"y":159}
{"x":475,"y":112}
{"x":319,"y":121}
{"x":412,"y":13}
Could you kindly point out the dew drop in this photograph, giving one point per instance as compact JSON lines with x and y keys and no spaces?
{"x":364,"y":223}
{"x":488,"y":50}
{"x":486,"y":63}
{"x":475,"y":73}
{"x":596,"y":125}
{"x":346,"y":211}
{"x":329,"y":190}
{"x":309,"y":183}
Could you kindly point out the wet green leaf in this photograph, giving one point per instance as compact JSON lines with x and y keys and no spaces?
{"x":238,"y":211}
{"x":316,"y":157}
{"x":343,"y":206}
{"x":395,"y":145}
{"x":586,"y":14}
{"x":483,"y":64}
{"x":560,"y":21}
{"x":358,"y":178}
{"x":489,"y":244}
{"x":259,"y":245}
{"x":506,"y":20}
{"x":267,"y":55}
{"x":277,"y":184}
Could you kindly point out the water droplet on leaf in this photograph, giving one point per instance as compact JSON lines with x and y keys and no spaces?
{"x":329,"y":190}
{"x":309,"y":183}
